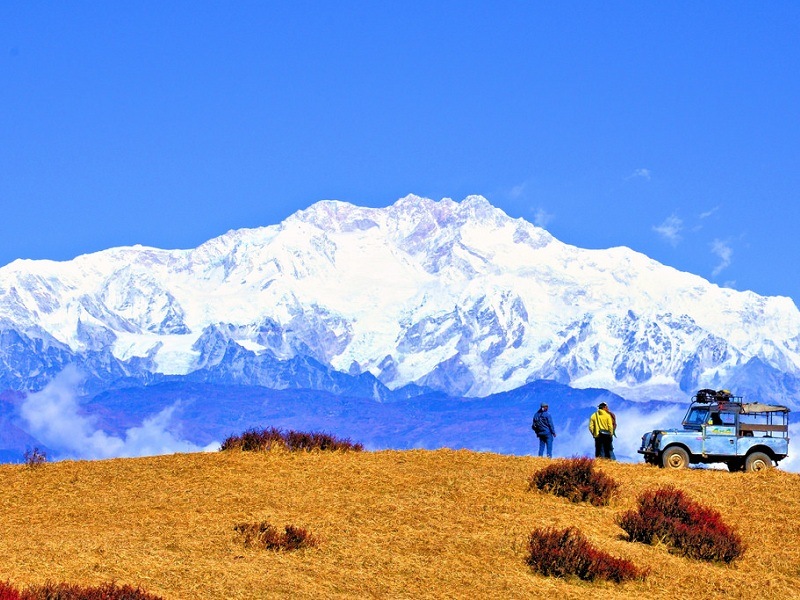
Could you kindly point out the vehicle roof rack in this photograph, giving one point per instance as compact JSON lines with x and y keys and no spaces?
{"x":707,"y":396}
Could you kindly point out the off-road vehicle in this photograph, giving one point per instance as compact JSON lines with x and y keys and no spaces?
{"x":722,"y":428}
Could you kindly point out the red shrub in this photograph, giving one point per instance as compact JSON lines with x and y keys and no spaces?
{"x":575,"y":479}
{"x":8,"y":591}
{"x":669,"y":516}
{"x":66,"y":591}
{"x":266,"y":536}
{"x":561,"y":553}
{"x":256,"y":440}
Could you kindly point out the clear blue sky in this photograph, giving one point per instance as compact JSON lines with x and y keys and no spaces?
{"x":669,"y":127}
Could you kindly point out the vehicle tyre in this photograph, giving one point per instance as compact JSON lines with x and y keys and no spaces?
{"x":735,"y":466}
{"x":675,"y":458}
{"x":757,"y":461}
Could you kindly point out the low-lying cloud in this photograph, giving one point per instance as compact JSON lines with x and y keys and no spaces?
{"x":632,"y":423}
{"x":54,"y":417}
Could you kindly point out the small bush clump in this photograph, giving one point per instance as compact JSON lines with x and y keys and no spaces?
{"x":260,"y":440}
{"x":561,"y":553}
{"x":575,"y":479}
{"x":8,"y":591}
{"x":66,"y":591}
{"x":667,"y":515}
{"x":35,"y":457}
{"x":266,"y":536}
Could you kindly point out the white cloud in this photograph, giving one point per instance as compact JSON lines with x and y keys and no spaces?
{"x":792,"y":462}
{"x":722,"y":250}
{"x":574,"y":439}
{"x":670,"y":229}
{"x":54,"y":418}
{"x":542,"y":218}
{"x":633,"y":423}
{"x":640,"y":174}
{"x":518,"y":190}
{"x":708,"y":213}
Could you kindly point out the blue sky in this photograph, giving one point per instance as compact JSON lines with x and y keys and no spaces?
{"x":669,"y":127}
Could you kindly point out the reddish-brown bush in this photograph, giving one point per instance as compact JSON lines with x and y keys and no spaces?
{"x":264,"y":535}
{"x":575,"y":479}
{"x":669,"y":516}
{"x":8,"y":591}
{"x":66,"y":591}
{"x":259,"y":440}
{"x":566,"y":552}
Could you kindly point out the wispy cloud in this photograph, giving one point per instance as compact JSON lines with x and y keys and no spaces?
{"x":792,"y":462}
{"x":542,"y":218}
{"x":54,"y":417}
{"x":723,"y":251}
{"x":574,"y":438}
{"x":518,"y":190}
{"x":670,"y":230}
{"x":708,"y":213}
{"x":640,"y":174}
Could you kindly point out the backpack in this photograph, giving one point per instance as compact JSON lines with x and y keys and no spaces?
{"x":538,"y":423}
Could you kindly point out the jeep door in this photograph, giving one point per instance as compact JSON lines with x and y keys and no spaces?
{"x":719,"y":434}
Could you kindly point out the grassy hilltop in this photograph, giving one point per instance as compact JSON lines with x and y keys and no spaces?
{"x":411,"y":524}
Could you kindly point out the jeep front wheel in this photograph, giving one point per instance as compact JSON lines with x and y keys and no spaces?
{"x":675,"y":458}
{"x":757,"y":461}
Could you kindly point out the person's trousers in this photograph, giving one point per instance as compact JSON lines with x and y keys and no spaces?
{"x":604,"y":446}
{"x":546,"y":443}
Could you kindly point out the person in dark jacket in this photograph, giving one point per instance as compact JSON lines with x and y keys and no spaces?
{"x":544,"y":429}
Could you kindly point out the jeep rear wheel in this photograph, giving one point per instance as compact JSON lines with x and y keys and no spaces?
{"x":757,"y":461}
{"x":675,"y":458}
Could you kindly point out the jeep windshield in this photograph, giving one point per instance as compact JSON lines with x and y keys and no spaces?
{"x":696,"y":418}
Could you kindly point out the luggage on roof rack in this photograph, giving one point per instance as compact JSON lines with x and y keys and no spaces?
{"x":706,"y":396}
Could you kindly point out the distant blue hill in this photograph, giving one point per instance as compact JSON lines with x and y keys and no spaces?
{"x":498,"y":423}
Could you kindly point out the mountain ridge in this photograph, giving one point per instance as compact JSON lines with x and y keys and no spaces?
{"x":442,"y":295}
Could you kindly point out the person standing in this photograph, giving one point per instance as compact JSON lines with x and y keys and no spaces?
{"x":602,"y":426}
{"x":544,"y":429}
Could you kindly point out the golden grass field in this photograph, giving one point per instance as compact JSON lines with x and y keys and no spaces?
{"x":411,"y":524}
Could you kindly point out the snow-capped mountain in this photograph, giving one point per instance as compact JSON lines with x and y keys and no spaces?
{"x":449,"y":296}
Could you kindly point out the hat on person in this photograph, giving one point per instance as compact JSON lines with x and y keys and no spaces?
{"x":602,"y":405}
{"x":545,"y":405}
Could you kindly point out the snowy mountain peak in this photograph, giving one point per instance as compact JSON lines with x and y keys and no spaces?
{"x":455,"y":296}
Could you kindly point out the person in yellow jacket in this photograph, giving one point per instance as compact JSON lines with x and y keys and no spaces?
{"x":601,"y":426}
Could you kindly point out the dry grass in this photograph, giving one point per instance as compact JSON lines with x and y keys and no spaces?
{"x":413,"y":524}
